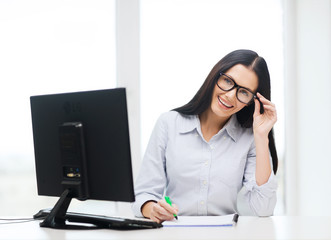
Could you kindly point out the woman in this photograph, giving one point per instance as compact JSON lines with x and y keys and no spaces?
{"x":203,"y":153}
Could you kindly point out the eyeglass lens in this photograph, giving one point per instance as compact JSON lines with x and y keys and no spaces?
{"x":227,"y":84}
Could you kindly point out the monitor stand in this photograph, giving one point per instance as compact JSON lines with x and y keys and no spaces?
{"x":57,"y":217}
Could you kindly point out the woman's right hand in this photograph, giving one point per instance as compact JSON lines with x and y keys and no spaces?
{"x":159,"y":211}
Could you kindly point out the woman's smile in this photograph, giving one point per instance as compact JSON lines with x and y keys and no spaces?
{"x":224,"y":104}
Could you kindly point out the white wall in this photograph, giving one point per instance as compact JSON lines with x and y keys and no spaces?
{"x":128,"y":68}
{"x":308,"y":103}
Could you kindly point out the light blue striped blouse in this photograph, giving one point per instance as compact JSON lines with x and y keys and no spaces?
{"x":202,"y":178}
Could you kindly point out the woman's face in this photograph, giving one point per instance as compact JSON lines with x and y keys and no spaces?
{"x":225,"y":103}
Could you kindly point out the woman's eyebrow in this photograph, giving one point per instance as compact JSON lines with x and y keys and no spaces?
{"x":229,"y":76}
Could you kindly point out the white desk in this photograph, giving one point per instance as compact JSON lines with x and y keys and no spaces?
{"x":277,"y":227}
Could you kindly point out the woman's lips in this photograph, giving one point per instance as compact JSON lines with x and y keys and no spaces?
{"x":223,"y":103}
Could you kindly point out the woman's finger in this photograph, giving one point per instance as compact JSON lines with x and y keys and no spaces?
{"x":269,"y":107}
{"x":175,"y":207}
{"x":257,"y":108}
{"x":160,"y":214}
{"x":171,"y":210}
{"x":264,"y":100}
{"x":156,"y":214}
{"x":155,"y":219}
{"x":161,"y":211}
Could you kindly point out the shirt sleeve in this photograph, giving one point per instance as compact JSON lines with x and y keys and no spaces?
{"x":261,"y":199}
{"x":151,"y":180}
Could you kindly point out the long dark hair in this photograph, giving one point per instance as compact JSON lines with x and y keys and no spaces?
{"x":202,"y":99}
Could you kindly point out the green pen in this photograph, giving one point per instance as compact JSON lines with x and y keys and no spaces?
{"x":170,"y":203}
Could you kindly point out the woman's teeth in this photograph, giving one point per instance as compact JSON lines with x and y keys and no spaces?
{"x":229,"y":106}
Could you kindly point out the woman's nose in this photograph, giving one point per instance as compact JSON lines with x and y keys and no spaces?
{"x":231,"y":94}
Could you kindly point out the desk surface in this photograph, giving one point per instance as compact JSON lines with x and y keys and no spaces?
{"x":276,"y":227}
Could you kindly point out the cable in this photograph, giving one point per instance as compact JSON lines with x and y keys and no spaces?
{"x":16,"y":220}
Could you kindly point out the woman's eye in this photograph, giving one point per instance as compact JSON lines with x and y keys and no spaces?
{"x":228,"y":81}
{"x":244,"y":92}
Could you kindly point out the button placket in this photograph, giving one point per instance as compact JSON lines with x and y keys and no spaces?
{"x":204,"y":177}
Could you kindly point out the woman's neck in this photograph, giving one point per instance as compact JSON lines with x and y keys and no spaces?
{"x":211,"y":124}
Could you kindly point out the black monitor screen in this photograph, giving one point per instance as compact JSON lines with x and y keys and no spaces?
{"x":82,"y":139}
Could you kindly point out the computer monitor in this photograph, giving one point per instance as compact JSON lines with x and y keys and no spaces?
{"x":82,"y":148}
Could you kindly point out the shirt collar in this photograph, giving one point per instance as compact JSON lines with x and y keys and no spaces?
{"x":188,"y":123}
{"x":232,"y":127}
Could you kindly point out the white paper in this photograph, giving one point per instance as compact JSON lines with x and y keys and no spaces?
{"x":200,"y":221}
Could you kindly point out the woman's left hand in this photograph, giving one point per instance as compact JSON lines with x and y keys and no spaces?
{"x":263,"y":123}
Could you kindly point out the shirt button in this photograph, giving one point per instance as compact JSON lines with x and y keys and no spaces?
{"x":202,"y":202}
{"x":224,"y":137}
{"x":205,"y":182}
{"x":212,"y":147}
{"x":206,"y":162}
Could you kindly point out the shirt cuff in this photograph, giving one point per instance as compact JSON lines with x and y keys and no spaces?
{"x":268,"y":189}
{"x":140,"y":200}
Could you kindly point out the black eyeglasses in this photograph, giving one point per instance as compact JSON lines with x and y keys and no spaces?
{"x":226,"y":83}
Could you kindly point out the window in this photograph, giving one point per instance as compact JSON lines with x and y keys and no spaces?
{"x":46,"y":47}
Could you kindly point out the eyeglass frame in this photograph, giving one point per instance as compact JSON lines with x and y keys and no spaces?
{"x":235,"y":86}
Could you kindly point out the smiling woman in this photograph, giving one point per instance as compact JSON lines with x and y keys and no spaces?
{"x":178,"y":51}
{"x":234,"y":138}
